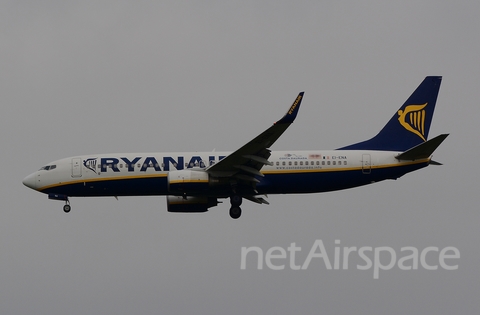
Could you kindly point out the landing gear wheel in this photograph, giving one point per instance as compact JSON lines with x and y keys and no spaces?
{"x":235,"y":212}
{"x":67,"y":208}
{"x":236,"y":200}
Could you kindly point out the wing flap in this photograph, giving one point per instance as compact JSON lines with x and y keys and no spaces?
{"x":258,"y":159}
{"x":249,"y":169}
{"x":257,"y":199}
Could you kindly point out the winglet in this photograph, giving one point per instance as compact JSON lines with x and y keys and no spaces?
{"x":292,"y":112}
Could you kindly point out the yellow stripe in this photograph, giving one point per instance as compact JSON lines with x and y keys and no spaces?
{"x":423,"y":122}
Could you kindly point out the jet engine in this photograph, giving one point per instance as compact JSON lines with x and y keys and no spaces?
{"x":190,"y":203}
{"x":187,"y":182}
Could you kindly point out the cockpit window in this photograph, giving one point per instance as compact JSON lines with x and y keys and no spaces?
{"x":48,"y":168}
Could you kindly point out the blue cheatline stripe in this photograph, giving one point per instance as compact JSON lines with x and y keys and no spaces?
{"x":114,"y":186}
{"x":274,"y":182}
{"x":277,"y":183}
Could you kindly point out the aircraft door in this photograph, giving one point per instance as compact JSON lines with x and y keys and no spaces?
{"x":76,"y":167}
{"x":366,"y":164}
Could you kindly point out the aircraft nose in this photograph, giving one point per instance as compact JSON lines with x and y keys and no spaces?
{"x":31,"y":181}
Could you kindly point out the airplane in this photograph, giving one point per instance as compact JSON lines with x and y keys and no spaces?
{"x":194,"y":182}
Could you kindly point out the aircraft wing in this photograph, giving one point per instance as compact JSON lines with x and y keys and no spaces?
{"x":244,"y":164}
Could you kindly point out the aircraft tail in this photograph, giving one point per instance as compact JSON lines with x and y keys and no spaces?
{"x":409,"y":126}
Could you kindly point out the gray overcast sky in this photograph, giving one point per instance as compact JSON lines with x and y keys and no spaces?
{"x":132,"y":76}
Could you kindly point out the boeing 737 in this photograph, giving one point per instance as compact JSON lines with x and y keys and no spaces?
{"x":195,"y":181}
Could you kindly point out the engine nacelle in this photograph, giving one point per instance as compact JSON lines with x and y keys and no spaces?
{"x":187,"y":182}
{"x":190,"y":203}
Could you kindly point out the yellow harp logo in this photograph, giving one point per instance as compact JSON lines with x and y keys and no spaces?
{"x":413,"y":119}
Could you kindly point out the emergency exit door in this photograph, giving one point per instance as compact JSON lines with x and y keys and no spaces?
{"x":366,"y":164}
{"x":76,"y":167}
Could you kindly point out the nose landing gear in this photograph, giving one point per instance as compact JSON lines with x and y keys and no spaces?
{"x":235,"y":210}
{"x":67,"y":206}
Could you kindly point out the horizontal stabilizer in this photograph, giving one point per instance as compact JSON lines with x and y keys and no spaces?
{"x":422,"y":151}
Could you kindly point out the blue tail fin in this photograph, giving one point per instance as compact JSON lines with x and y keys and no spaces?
{"x":410,"y":124}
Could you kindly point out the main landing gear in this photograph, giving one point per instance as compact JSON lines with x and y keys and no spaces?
{"x":235,"y":210}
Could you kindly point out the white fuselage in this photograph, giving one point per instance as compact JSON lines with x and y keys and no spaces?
{"x":120,"y":174}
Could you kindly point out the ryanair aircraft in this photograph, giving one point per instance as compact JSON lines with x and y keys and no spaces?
{"x":194,"y":182}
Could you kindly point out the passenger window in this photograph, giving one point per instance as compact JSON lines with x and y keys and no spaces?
{"x":334,"y":163}
{"x":328,"y":162}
